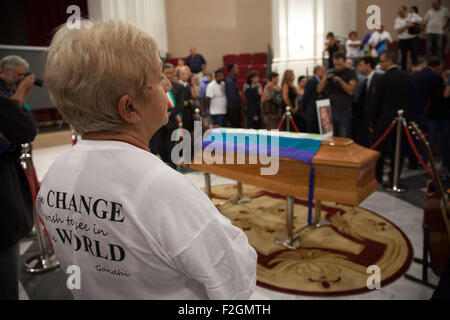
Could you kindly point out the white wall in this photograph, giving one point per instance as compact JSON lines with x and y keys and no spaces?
{"x":150,"y":16}
{"x":299,"y":28}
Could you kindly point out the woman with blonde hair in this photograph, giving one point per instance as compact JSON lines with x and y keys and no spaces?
{"x":133,"y":227}
{"x":289,"y":91}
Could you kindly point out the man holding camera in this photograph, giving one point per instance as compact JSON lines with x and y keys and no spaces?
{"x":17,"y":126}
{"x":14,"y":81}
{"x":340,"y":84}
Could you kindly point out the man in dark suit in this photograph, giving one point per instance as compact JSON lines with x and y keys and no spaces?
{"x":392,"y":93}
{"x":366,"y":108}
{"x":308,"y":110}
{"x":161,"y":142}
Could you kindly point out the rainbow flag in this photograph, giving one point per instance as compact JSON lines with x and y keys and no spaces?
{"x":298,"y":146}
{"x":172,"y":103}
{"x":365,"y":47}
{"x":381,"y":48}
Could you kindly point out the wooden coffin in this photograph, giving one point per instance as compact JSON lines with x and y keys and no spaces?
{"x":344,"y":173}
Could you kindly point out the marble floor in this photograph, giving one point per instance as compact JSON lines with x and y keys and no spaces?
{"x":403,"y":210}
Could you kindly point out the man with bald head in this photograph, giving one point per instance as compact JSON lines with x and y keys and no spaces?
{"x":377,"y":37}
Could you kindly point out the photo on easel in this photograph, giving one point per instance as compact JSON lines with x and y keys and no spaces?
{"x":324,"y":118}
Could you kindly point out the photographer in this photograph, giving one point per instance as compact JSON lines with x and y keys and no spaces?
{"x":340,"y":84}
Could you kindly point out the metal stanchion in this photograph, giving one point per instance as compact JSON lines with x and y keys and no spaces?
{"x":396,"y":188}
{"x":292,"y":241}
{"x":74,"y":136}
{"x":44,"y":261}
{"x":287,"y":117}
{"x":239,"y":199}
{"x":197,"y":115}
{"x":318,"y":222}
{"x":208,"y":185}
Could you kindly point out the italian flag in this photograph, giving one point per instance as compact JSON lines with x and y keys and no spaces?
{"x":172,"y":103}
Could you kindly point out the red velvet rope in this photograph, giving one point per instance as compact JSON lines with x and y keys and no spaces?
{"x":382,"y":137}
{"x":294,"y":125}
{"x":34,"y":197}
{"x":292,"y":122}
{"x":413,"y":146}
{"x":281,"y":124}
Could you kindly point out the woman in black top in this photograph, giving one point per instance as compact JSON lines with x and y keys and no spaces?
{"x":253,"y":93}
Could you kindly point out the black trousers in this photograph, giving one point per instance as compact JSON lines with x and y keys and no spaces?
{"x":387,"y":149}
{"x":165,"y":145}
{"x":234,"y":117}
{"x":188,"y":118}
{"x":406,"y":45}
{"x":9,"y":273}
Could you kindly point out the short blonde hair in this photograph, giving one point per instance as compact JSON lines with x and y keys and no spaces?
{"x":88,"y":70}
{"x":11,"y":62}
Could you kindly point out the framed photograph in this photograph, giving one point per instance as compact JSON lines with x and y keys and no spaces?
{"x":324,"y":118}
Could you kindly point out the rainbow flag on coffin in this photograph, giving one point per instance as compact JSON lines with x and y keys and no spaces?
{"x":298,"y":146}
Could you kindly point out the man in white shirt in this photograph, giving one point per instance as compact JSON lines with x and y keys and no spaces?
{"x":377,"y":38}
{"x":437,"y":23}
{"x":353,"y":46}
{"x":405,"y":39}
{"x":216,"y":99}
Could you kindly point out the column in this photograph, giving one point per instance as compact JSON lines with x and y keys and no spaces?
{"x":150,"y":16}
{"x":299,"y":28}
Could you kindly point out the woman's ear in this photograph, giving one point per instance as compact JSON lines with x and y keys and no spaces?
{"x":127,"y":110}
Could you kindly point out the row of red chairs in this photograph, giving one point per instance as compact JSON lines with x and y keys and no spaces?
{"x":245,"y":69}
{"x":174,"y":61}
{"x":245,"y":59}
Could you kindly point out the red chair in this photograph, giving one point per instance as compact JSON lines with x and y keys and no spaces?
{"x":393,"y":45}
{"x":243,"y":71}
{"x":173,"y":61}
{"x":225,"y":71}
{"x":245,"y":59}
{"x":230,"y":58}
{"x":261,"y":68}
{"x":240,"y":83}
{"x":260,"y":58}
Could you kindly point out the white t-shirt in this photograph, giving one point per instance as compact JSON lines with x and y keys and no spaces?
{"x":353,"y":52}
{"x":139,"y":230}
{"x":216,"y":92}
{"x":376,"y":38}
{"x":436,"y":20}
{"x":401,"y":23}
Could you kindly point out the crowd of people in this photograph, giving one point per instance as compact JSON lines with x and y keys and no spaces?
{"x":367,"y":82}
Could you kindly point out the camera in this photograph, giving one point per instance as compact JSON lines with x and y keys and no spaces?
{"x":37,"y":82}
{"x":331,"y":74}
